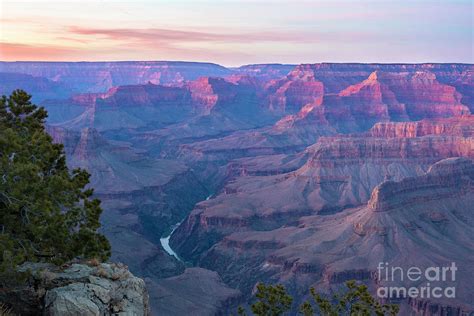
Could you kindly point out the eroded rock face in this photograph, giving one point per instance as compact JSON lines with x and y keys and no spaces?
{"x":382,"y":96}
{"x":288,"y":96}
{"x":430,"y":214}
{"x":265,"y":71}
{"x":321,"y":100}
{"x":459,"y":126}
{"x":159,"y":137}
{"x":101,"y":76}
{"x":442,"y":178}
{"x":203,"y":94}
{"x":131,"y":107}
{"x":337,"y":77}
{"x":81,"y":289}
{"x":254,"y":224}
{"x":123,"y":178}
{"x":339,"y":171}
{"x":39,"y":87}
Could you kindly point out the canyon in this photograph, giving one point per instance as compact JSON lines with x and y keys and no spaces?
{"x":213,"y":179}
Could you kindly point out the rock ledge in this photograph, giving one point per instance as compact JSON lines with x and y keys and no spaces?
{"x":78,"y":289}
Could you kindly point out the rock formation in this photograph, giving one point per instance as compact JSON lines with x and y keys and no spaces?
{"x":39,"y":87}
{"x":122,"y":176}
{"x":340,"y":172}
{"x":78,"y":289}
{"x":101,"y":76}
{"x":265,"y":72}
{"x":316,"y":170}
{"x":429,"y":214}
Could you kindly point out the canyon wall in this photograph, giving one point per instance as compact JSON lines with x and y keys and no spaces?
{"x":312,"y":172}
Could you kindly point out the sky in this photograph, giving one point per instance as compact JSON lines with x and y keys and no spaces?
{"x":234,"y":33}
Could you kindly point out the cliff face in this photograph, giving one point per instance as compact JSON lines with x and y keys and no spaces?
{"x":203,"y":93}
{"x":262,"y":215}
{"x":123,"y":178}
{"x":462,"y":126}
{"x":39,"y":87}
{"x":385,"y":96}
{"x":335,"y":172}
{"x":101,"y":76}
{"x":288,"y":96}
{"x":116,"y":167}
{"x":429,"y":214}
{"x":223,"y":96}
{"x":265,"y":72}
{"x":356,"y":96}
{"x":388,"y":93}
{"x":292,"y":153}
{"x":442,"y":179}
{"x":78,"y":289}
{"x":131,"y":107}
{"x":337,"y":77}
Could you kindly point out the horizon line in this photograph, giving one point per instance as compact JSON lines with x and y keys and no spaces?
{"x":241,"y":65}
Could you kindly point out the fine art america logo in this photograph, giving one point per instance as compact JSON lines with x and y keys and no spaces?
{"x":432,"y":281}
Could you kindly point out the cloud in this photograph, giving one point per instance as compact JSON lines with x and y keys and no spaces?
{"x":72,"y":39}
{"x":228,"y":47}
{"x":170,"y":36}
{"x":33,"y":52}
{"x":17,"y":51}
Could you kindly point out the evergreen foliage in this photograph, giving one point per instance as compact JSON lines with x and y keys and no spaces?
{"x":271,"y":300}
{"x":356,"y":301}
{"x":46,"y":211}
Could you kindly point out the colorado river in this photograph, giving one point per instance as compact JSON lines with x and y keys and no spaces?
{"x":165,"y":241}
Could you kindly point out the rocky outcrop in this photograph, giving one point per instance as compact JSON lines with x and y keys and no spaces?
{"x":78,"y":289}
{"x":453,"y":173}
{"x":203,"y":93}
{"x":224,"y":96}
{"x":289,"y":96}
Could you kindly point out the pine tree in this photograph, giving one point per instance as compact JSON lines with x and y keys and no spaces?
{"x":46,"y":211}
{"x":273,"y":300}
{"x":356,"y":301}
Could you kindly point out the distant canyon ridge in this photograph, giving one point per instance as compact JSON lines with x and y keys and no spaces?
{"x":305,"y":175}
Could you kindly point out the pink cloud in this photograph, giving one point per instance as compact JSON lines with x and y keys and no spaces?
{"x":17,"y":51}
{"x":169,"y":36}
{"x":25,"y":52}
{"x":72,"y":39}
